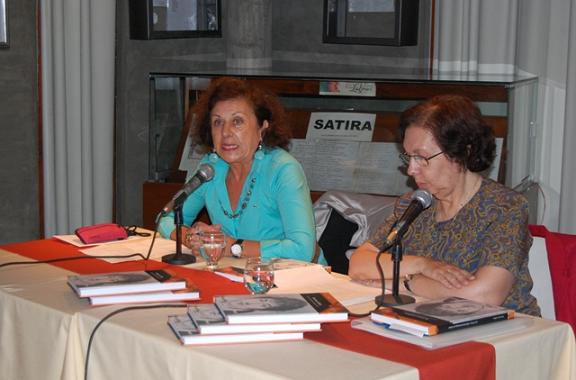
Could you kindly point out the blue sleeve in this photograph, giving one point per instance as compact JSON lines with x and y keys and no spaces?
{"x":190,"y":210}
{"x":292,"y":196}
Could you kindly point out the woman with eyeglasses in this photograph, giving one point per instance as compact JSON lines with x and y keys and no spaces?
{"x":473,"y":241}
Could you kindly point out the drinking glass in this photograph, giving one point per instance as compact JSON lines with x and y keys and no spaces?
{"x":212,"y":248}
{"x":258,"y":275}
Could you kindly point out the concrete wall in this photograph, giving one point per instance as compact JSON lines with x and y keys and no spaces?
{"x":19,"y":152}
{"x":135,"y":60}
{"x":296,"y":44}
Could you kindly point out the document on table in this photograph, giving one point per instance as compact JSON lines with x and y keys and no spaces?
{"x":315,"y":279}
{"x":127,"y":247}
{"x":75,"y":240}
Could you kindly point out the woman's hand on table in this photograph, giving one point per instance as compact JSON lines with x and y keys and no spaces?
{"x":192,"y":236}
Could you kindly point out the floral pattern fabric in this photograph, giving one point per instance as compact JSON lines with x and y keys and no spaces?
{"x":491,"y":229}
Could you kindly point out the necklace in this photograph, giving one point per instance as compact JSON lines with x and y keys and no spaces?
{"x":244,"y":203}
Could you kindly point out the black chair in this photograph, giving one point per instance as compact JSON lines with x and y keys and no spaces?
{"x":335,"y":241}
{"x":345,"y":220}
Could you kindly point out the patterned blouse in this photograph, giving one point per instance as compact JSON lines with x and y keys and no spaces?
{"x":491,"y":229}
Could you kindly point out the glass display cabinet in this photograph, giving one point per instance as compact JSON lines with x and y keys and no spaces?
{"x":344,"y":125}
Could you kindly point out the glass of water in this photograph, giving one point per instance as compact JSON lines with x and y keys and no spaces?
{"x":212,"y":248}
{"x":258,"y":275}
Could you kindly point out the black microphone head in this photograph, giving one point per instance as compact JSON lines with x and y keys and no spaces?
{"x":205,"y":172}
{"x":423,"y":197}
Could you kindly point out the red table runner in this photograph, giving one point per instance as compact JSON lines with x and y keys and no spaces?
{"x":471,"y":360}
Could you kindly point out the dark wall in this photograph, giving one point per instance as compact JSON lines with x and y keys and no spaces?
{"x":296,"y":43}
{"x":19,"y":153}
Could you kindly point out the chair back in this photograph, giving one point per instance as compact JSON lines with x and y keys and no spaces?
{"x":540,"y":272}
{"x":344,"y":220}
{"x":561,"y":252}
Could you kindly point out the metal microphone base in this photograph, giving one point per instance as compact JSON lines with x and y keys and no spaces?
{"x":179,"y":259}
{"x":393,"y":300}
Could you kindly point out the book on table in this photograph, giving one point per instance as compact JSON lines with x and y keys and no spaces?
{"x":209,"y":320}
{"x":433,"y":317}
{"x":281,"y":308}
{"x":232,"y":273}
{"x":125,"y":282}
{"x":188,"y":334}
{"x":458,"y":336}
{"x":191,"y":293}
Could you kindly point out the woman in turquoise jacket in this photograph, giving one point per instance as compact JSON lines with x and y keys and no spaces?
{"x":259,"y":196}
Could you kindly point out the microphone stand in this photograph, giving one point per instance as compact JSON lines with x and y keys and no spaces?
{"x":178,"y":258}
{"x":395,"y":298}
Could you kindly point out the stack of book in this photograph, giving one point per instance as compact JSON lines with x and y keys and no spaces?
{"x":256,"y":318}
{"x":133,"y":287}
{"x":429,"y":318}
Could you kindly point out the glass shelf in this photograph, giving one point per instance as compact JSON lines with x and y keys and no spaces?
{"x":508,"y":100}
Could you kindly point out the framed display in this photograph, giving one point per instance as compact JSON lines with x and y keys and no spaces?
{"x":154,"y":19}
{"x":371,"y":22}
{"x":3,"y":25}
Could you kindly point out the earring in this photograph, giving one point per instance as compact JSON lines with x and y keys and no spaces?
{"x":213,"y":157}
{"x":259,"y":153}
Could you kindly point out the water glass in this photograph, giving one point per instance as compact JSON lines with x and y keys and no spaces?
{"x":258,"y":275}
{"x":212,"y":248}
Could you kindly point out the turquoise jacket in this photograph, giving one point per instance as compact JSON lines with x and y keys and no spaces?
{"x":278,"y":209}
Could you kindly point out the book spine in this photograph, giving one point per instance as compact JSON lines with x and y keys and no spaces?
{"x":421,"y":317}
{"x":475,"y":322}
{"x":444,"y":325}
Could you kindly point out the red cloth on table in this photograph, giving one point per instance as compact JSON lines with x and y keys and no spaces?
{"x":561,"y":250}
{"x":472,"y":360}
{"x":209,"y":283}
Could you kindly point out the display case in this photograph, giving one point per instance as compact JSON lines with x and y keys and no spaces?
{"x":344,"y":126}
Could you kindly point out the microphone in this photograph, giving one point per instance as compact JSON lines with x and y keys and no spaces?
{"x":421,"y":200}
{"x":204,"y":174}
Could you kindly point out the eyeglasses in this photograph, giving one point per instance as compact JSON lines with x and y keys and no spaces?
{"x":419,"y":160}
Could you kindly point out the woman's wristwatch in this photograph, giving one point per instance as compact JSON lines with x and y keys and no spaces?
{"x":236,"y":248}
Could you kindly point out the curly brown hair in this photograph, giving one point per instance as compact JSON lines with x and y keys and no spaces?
{"x":266,"y":105}
{"x":457,"y":126}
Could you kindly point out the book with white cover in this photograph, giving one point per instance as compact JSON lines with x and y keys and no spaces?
{"x":210,"y":320}
{"x":281,"y":308}
{"x":188,"y":334}
{"x":191,"y":293}
{"x":125,"y":282}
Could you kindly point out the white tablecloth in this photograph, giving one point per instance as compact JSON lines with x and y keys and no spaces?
{"x":45,"y":327}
